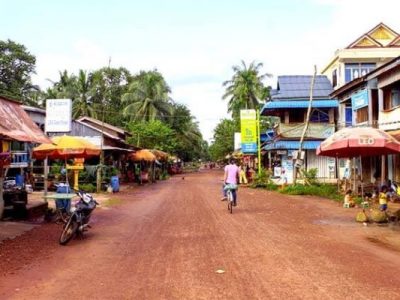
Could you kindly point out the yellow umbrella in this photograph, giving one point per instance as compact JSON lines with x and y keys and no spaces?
{"x":160,"y":155}
{"x":143,"y":154}
{"x":65,"y":146}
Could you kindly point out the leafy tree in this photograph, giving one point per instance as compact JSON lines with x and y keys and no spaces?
{"x":16,"y":67}
{"x":147,"y":98}
{"x":152,"y":135}
{"x":108,"y":85}
{"x":246,"y":88}
{"x":82,"y":103}
{"x":223,"y":139}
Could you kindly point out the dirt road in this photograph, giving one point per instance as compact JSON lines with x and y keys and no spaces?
{"x":166,"y":241}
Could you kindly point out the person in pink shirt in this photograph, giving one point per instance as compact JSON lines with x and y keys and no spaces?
{"x":231,"y":176}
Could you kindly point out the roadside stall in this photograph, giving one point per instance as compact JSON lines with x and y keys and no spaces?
{"x":144,"y":162}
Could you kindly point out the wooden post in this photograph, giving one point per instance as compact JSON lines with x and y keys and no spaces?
{"x":383,"y":169}
{"x":296,"y":168}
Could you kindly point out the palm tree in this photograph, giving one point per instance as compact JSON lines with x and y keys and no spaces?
{"x":245,"y":89}
{"x":82,"y":104}
{"x":147,"y":97}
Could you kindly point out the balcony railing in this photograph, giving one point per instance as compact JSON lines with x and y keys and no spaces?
{"x":19,"y":159}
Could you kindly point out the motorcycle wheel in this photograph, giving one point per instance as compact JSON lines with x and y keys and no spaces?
{"x":69,"y":231}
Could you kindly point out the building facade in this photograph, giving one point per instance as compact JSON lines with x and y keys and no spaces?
{"x":290,"y":103}
{"x":371,"y":50}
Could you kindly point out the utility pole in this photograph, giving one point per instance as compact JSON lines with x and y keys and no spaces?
{"x":298,"y":160}
{"x":101,"y":164}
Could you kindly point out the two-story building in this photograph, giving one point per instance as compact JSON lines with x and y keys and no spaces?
{"x":290,"y":103}
{"x":371,"y":50}
{"x":374,"y":100}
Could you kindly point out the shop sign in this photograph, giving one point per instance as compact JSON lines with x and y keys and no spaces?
{"x":281,"y":152}
{"x":58,"y":115}
{"x":359,"y":99}
{"x":248,"y":126}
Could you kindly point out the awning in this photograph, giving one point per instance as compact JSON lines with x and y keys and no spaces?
{"x":271,"y":105}
{"x":395,"y":134}
{"x":292,"y":145}
{"x":16,"y":125}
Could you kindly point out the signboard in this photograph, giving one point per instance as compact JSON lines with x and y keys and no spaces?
{"x":248,"y":126}
{"x":359,"y":99}
{"x":237,"y":141}
{"x":58,"y":115}
{"x":314,"y":130}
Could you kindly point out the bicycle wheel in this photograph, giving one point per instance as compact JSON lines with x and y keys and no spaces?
{"x":230,"y":200}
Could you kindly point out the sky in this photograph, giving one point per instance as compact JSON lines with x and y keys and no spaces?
{"x":193,"y":43}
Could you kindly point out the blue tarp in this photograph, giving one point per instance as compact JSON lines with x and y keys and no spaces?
{"x":292,"y":145}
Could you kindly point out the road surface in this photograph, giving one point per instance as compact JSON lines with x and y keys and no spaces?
{"x":176,"y":240}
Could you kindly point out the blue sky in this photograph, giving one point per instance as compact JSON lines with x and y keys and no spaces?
{"x":194,"y":44}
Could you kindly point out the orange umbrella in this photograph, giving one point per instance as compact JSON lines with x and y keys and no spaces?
{"x":160,"y":155}
{"x":66,"y":147}
{"x":143,"y":154}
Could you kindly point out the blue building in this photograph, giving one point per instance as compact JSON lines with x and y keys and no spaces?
{"x":290,"y":102}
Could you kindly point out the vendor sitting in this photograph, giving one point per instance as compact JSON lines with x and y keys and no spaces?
{"x":383,"y":198}
{"x":348,"y":199}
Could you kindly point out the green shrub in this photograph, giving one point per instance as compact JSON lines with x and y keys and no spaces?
{"x":311,"y":175}
{"x":323,"y":190}
{"x":263,"y":180}
{"x":87,"y":187}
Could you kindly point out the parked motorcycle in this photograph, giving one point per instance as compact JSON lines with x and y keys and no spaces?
{"x":79,"y":217}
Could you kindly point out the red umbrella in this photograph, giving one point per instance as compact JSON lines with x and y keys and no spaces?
{"x":359,"y":141}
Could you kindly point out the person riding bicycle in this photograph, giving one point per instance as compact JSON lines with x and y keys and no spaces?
{"x":231,"y":177}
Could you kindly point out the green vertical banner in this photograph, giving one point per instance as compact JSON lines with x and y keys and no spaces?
{"x":248,"y":127}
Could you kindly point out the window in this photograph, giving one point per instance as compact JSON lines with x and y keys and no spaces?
{"x":334,"y":78}
{"x":391,"y":97}
{"x":353,"y":71}
{"x":296,"y":115}
{"x":362,"y":115}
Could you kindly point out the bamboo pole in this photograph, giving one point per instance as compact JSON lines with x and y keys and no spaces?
{"x":296,"y":168}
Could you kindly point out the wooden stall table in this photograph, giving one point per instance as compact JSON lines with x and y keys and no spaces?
{"x":59,"y":216}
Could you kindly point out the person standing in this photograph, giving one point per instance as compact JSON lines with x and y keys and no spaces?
{"x":242,"y":175}
{"x":231,"y":176}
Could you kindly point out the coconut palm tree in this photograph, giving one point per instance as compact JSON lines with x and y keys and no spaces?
{"x":82,"y":102}
{"x":246,"y":89}
{"x":147,"y":98}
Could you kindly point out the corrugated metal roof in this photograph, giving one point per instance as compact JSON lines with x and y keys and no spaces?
{"x":17,"y":125}
{"x":292,"y":145}
{"x":298,"y":86}
{"x":299,"y":104}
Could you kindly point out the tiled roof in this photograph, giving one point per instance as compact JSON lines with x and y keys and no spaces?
{"x":298,"y":86}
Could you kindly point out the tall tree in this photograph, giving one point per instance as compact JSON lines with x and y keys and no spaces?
{"x":16,"y":67}
{"x":223,"y":139}
{"x":246,"y":88}
{"x":147,"y":98}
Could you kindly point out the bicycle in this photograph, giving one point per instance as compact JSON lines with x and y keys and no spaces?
{"x":229,"y":195}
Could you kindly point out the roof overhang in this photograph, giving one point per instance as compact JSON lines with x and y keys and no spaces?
{"x":300,"y":103}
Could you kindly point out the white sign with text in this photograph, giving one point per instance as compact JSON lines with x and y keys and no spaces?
{"x":58,"y":115}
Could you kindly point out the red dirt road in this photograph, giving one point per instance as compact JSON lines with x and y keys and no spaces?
{"x":166,"y":241}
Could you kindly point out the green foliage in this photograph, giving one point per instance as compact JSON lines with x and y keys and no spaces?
{"x":245,"y":88}
{"x":152,"y":135}
{"x":87,"y":187}
{"x":223,"y":139}
{"x":16,"y":67}
{"x":164,"y":175}
{"x":323,"y":190}
{"x":311,"y":175}
{"x":262,"y":179}
{"x":147,"y":98}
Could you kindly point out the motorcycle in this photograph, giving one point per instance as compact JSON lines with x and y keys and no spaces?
{"x":79,"y":217}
